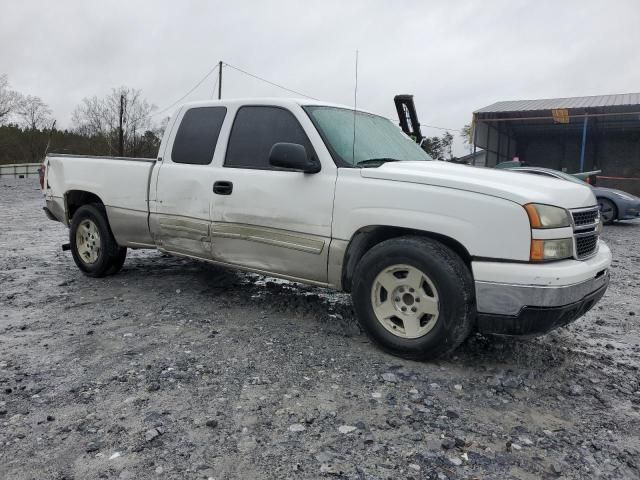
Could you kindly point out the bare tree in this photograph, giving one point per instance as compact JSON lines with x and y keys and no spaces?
{"x":34,"y":114}
{"x":161,"y":126}
{"x":120,"y":119}
{"x":9,"y":99}
{"x":466,"y":133}
{"x":90,"y":117}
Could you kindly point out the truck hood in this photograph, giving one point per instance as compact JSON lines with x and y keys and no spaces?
{"x":516,"y":187}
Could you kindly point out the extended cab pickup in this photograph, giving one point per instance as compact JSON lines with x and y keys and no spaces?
{"x":429,"y":250}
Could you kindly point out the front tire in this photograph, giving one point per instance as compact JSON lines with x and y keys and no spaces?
{"x":414,"y":297}
{"x":93,"y":246}
{"x":118,"y":261}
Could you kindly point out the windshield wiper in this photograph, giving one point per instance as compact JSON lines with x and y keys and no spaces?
{"x":375,"y":162}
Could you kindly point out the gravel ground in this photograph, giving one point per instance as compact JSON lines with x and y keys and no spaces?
{"x":178,"y":369}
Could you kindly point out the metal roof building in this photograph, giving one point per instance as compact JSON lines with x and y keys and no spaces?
{"x":597,"y":101}
{"x":571,"y":134}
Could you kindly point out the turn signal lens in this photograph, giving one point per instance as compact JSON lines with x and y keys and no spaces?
{"x":537,"y":250}
{"x":558,"y":249}
{"x":534,"y":219}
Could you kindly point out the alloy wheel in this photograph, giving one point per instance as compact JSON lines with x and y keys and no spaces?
{"x":88,"y":241}
{"x":405,"y":301}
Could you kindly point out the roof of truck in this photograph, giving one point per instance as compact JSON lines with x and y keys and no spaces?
{"x":277,"y":101}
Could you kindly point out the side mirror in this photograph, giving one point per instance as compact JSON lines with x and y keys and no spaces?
{"x":292,"y":156}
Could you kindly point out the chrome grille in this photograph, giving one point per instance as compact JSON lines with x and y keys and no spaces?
{"x":585,"y":231}
{"x":586,"y":245}
{"x":585,"y":217}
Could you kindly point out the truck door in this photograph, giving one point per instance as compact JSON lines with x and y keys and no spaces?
{"x":181,"y":221}
{"x":266,"y":218}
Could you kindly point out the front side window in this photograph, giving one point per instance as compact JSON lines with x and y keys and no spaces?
{"x":256,"y":129}
{"x":376,"y":140}
{"x":197,"y":135}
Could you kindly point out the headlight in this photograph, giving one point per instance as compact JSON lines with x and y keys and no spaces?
{"x":546,"y":216}
{"x":557,"y":249}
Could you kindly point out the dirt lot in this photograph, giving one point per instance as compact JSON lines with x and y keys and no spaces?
{"x":177,"y":369}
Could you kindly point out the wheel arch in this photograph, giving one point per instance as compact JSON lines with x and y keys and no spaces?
{"x":610,"y":198}
{"x":74,"y":199}
{"x":367,"y":237}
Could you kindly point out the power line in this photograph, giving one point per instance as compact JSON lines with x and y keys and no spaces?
{"x":265,"y":81}
{"x":269,"y":82}
{"x":441,"y":128}
{"x":313,"y":98}
{"x":426,"y":126}
{"x":186,"y":94}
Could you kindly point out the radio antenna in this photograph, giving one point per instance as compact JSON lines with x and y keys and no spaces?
{"x":355,"y":105}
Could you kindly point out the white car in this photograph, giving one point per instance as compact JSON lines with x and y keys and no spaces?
{"x":429,"y":250}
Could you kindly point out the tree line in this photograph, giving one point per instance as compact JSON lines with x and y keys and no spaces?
{"x":119,"y":123}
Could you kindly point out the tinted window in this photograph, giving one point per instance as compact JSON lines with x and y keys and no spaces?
{"x":256,"y":129}
{"x":197,"y":136}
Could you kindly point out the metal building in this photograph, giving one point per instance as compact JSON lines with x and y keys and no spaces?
{"x":572,"y":134}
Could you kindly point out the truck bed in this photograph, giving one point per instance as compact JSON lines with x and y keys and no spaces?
{"x":121,"y":183}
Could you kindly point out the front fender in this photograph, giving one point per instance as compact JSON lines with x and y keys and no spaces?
{"x":486,"y":226}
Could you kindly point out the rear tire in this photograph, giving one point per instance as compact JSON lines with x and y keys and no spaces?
{"x":608,"y":210}
{"x":414,"y":297}
{"x":93,"y":246}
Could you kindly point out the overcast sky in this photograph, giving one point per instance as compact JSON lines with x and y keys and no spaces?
{"x":454,"y":56}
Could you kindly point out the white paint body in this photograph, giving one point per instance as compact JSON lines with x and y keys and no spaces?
{"x":298,"y":225}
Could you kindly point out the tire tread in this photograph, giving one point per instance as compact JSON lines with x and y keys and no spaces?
{"x":464,"y":320}
{"x":112,"y":252}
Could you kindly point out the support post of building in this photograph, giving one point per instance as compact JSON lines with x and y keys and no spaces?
{"x":487,"y":149}
{"x":474,"y":125}
{"x":499,"y":143}
{"x":584,"y":142}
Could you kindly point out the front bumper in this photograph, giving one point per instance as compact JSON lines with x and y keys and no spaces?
{"x":539,"y":320}
{"x":629,"y":209}
{"x":557,"y":294}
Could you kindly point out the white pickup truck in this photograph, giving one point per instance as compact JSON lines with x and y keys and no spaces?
{"x":429,"y":250}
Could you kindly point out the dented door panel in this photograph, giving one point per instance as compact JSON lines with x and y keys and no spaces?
{"x":182,"y":220}
{"x":272,"y":250}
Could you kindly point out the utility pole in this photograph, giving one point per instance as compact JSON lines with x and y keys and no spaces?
{"x":220,"y":80}
{"x":120,"y":130}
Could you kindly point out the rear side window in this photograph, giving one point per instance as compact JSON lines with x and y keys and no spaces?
{"x":256,"y":129}
{"x":197,"y":135}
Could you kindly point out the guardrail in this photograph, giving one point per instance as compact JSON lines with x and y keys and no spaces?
{"x":19,"y":170}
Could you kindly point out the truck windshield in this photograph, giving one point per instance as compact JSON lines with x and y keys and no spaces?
{"x":377,"y":140}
